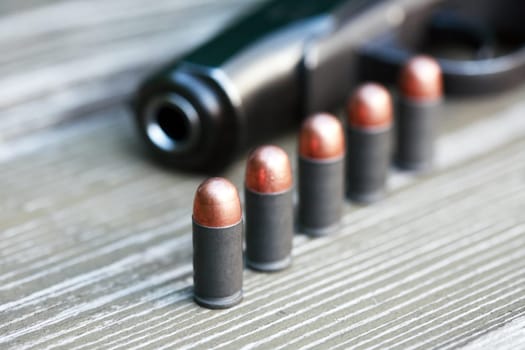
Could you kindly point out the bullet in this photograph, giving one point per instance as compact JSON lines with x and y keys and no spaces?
{"x":421,"y":92}
{"x":269,"y":209}
{"x":368,"y":130}
{"x":217,"y":244}
{"x":321,"y":174}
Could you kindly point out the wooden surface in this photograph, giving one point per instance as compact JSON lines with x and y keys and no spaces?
{"x":95,"y":244}
{"x":66,"y":58}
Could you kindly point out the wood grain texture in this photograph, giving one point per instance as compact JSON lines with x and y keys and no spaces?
{"x":95,"y":251}
{"x":95,"y":241}
{"x":64,"y":58}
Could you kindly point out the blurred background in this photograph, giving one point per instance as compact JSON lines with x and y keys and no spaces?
{"x":63,"y":58}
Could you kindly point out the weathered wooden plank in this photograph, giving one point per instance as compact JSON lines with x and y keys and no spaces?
{"x":96,"y":250}
{"x":95,"y":241}
{"x":64,"y":58}
{"x":509,"y":336}
{"x":9,"y":6}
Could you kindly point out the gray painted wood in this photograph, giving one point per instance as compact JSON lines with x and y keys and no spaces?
{"x":96,"y":251}
{"x":95,"y":241}
{"x":65,"y":58}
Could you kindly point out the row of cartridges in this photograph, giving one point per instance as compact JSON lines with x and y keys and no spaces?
{"x":335,"y":160}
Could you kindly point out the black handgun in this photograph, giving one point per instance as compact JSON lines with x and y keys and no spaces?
{"x":289,"y":58}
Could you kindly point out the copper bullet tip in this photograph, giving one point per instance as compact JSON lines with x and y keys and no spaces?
{"x":421,"y":79}
{"x":268,"y":170}
{"x":321,"y":137}
{"x":217,"y":203}
{"x":370,"y":106}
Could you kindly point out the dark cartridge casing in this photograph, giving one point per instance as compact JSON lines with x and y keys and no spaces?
{"x":367,"y":165}
{"x":321,"y":194}
{"x":416,"y":129}
{"x":217,"y":265}
{"x":269,"y":230}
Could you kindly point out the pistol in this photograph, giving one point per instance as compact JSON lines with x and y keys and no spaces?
{"x":288,"y":58}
